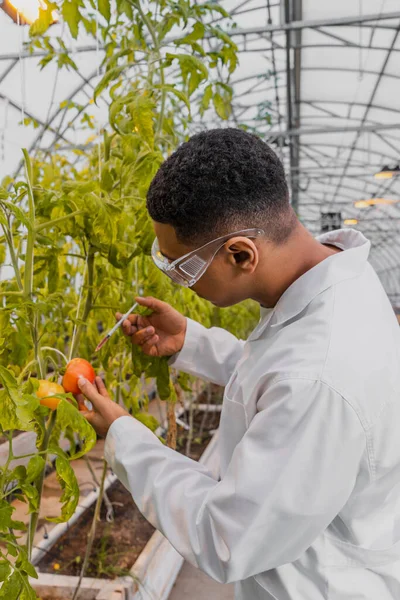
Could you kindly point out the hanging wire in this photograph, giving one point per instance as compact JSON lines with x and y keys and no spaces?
{"x":277,"y":99}
{"x":78,"y":308}
{"x":53,"y":93}
{"x":99,"y":175}
{"x":21,"y":67}
{"x":98,"y":75}
{"x":3,"y":130}
{"x":360,"y":40}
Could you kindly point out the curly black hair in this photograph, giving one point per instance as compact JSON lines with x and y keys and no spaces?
{"x":219,"y":181}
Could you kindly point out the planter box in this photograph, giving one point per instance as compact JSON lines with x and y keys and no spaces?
{"x":152,"y":575}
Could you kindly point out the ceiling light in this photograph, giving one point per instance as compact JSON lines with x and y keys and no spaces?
{"x":350,"y":221}
{"x":373,"y":202}
{"x":22,"y":12}
{"x":387,"y":173}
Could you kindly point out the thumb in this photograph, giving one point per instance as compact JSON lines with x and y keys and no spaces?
{"x":90,"y":391}
{"x":154,"y":304}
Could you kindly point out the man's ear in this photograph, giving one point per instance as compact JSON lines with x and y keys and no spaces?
{"x":242,"y":252}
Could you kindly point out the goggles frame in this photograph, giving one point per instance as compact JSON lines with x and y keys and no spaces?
{"x":187,"y":269}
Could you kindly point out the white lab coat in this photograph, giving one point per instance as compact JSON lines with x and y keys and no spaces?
{"x":308,"y":507}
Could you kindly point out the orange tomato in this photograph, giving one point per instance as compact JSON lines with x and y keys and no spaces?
{"x":77,"y":367}
{"x":46,"y":391}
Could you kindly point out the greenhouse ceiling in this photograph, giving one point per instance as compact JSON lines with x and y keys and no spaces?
{"x":319,"y":80}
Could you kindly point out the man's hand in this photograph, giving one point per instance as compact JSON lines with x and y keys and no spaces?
{"x":105,"y":411}
{"x":160,"y":334}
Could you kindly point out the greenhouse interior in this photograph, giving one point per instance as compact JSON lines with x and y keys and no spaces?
{"x":95,"y":96}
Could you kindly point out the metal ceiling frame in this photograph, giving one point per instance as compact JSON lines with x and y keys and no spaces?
{"x":320,"y":168}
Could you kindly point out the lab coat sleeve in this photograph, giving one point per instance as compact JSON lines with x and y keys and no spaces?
{"x":289,"y":476}
{"x":210,"y":354}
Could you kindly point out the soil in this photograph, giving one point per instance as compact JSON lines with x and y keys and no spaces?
{"x":117,"y":545}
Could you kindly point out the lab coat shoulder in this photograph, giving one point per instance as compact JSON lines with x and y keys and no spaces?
{"x":210,"y":354}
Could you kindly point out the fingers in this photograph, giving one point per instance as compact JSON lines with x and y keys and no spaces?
{"x":99,"y":401}
{"x":154,"y":304}
{"x":129,"y":326}
{"x":132,"y":323}
{"x":80,"y":398}
{"x":150,"y":347}
{"x":101,"y":387}
{"x":142,"y":336}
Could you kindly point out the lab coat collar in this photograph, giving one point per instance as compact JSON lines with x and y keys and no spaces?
{"x":332,"y":270}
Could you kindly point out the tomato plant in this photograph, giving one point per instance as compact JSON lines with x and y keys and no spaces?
{"x":76,"y":231}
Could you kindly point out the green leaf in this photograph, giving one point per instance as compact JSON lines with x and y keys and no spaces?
{"x":196,"y":34}
{"x":32,"y":495}
{"x":193,"y":70}
{"x":109,"y":76}
{"x":178,"y":93}
{"x":222,"y":108}
{"x":215,"y":6}
{"x":34,"y":468}
{"x":6,"y":521}
{"x":148,"y":420}
{"x":11,"y":588}
{"x":205,"y":102}
{"x":69,"y":416}
{"x":71,"y":16}
{"x":107,"y":180}
{"x":17,"y":408}
{"x":17,"y":212}
{"x":5,"y":569}
{"x":105,"y":9}
{"x":6,"y":511}
{"x":43,"y":22}
{"x":124,"y":6}
{"x":24,"y":565}
{"x":70,"y":496}
{"x":141,"y":110}
{"x":163,"y":379}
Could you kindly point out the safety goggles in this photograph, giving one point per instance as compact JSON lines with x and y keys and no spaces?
{"x":188,"y":269}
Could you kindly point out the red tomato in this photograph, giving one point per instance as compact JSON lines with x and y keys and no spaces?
{"x":77,"y":367}
{"x":46,"y":390}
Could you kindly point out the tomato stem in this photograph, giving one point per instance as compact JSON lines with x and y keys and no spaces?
{"x":58,"y":352}
{"x":92,"y":532}
{"x":43,"y":449}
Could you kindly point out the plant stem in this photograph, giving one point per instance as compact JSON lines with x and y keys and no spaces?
{"x":58,"y":220}
{"x":14,"y":260}
{"x":58,"y":352}
{"x":156,"y":43}
{"x":92,"y":532}
{"x":26,"y":368}
{"x":43,"y":449}
{"x":9,"y":459}
{"x":190,"y":434}
{"x":88,"y":304}
{"x":171,"y":436}
{"x":107,"y":501}
{"x":30,"y":243}
{"x":205,"y":414}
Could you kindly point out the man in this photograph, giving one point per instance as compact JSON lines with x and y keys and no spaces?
{"x":308,"y":507}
